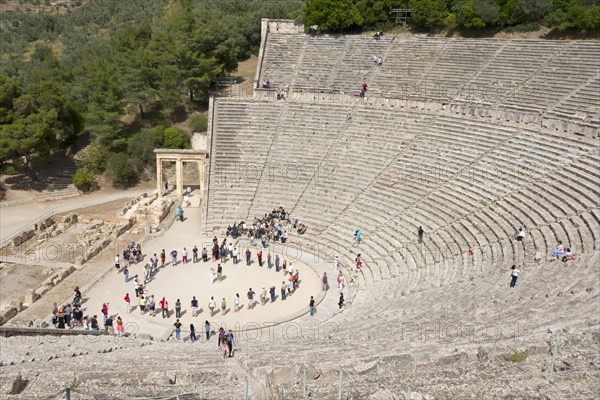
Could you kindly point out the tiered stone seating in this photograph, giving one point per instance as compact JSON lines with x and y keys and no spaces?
{"x":503,"y":77}
{"x":125,"y":367}
{"x":560,"y":76}
{"x":555,"y":77}
{"x":281,"y":58}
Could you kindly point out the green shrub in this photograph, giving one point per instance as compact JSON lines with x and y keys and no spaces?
{"x":83,"y":179}
{"x":527,"y":27}
{"x":10,"y":170}
{"x":94,"y":157}
{"x":515,"y":356}
{"x":118,"y":169}
{"x":118,"y":145}
{"x":199,"y":123}
{"x":174,"y":138}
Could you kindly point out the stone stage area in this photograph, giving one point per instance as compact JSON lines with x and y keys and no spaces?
{"x":193,"y":279}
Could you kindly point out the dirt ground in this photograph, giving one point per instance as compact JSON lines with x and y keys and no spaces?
{"x":15,"y":279}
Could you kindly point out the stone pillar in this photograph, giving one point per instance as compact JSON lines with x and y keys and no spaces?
{"x":201,"y":178}
{"x":159,"y":181}
{"x":179,"y":176}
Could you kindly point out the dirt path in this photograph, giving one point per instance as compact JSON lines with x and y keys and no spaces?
{"x":14,"y":218}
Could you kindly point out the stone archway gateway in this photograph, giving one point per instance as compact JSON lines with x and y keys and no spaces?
{"x":179,"y":157}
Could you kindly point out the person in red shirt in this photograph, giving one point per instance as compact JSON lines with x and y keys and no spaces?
{"x":128,"y":301}
{"x":164,"y":306}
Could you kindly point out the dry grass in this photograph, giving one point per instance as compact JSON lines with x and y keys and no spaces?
{"x":247,"y":69}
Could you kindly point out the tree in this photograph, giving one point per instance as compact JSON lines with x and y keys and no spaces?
{"x":141,"y":147}
{"x":333,"y":15}
{"x":139,"y":74}
{"x":199,"y":123}
{"x":428,"y":13}
{"x":83,"y":179}
{"x":118,"y":169}
{"x":174,"y":138}
{"x":533,"y":10}
{"x":8,"y":92}
{"x":476,"y":14}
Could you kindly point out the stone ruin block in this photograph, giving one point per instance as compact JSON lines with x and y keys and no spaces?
{"x":17,"y":241}
{"x":40,"y":323}
{"x":41,"y":290}
{"x":7,"y":313}
{"x":31,"y":296}
{"x":17,"y":303}
{"x":21,"y":322}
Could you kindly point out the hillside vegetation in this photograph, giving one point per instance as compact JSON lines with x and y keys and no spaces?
{"x":122,"y":71}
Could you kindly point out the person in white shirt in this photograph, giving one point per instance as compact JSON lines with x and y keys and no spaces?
{"x":336,"y":262}
{"x":520,"y":234}
{"x":514,"y":275}
{"x":234,"y":255}
{"x":117,"y":263}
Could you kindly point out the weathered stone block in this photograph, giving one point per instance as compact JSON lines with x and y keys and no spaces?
{"x":7,"y":313}
{"x":30,"y":296}
{"x":41,"y":290}
{"x":18,"y":303}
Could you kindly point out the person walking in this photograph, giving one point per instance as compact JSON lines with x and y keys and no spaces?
{"x":311,"y":306}
{"x":272,"y":293}
{"x":358,"y":261}
{"x":219,"y":272}
{"x":128,"y":302}
{"x":277,"y":261}
{"x":163,"y":258}
{"x":341,"y":301}
{"x":207,"y":330}
{"x":324,"y":283}
{"x":192,"y":333}
{"x":117,"y":263}
{"x":234,"y":255}
{"x":263,"y":296}
{"x":194,"y":304}
{"x":514,"y":274}
{"x":142,"y":301}
{"x":126,"y":273}
{"x":336,"y":262}
{"x":283,"y":290}
{"x":260,"y":260}
{"x":221,"y":338}
{"x":178,"y":309}
{"x":420,"y":233}
{"x":108,"y":326}
{"x":229,"y":337}
{"x":174,"y":257}
{"x":151,"y":305}
{"x":204,"y":255}
{"x":164,"y":307}
{"x":248,"y":255}
{"x":120,"y":327}
{"x":223,"y":306}
{"x":250,"y":295}
{"x":184,"y":256}
{"x":357,"y":236}
{"x":195,"y":254}
{"x":177,"y":325}
{"x":211,"y":275}
{"x":211,"y":306}
{"x":269,"y":261}
{"x":236,"y":303}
